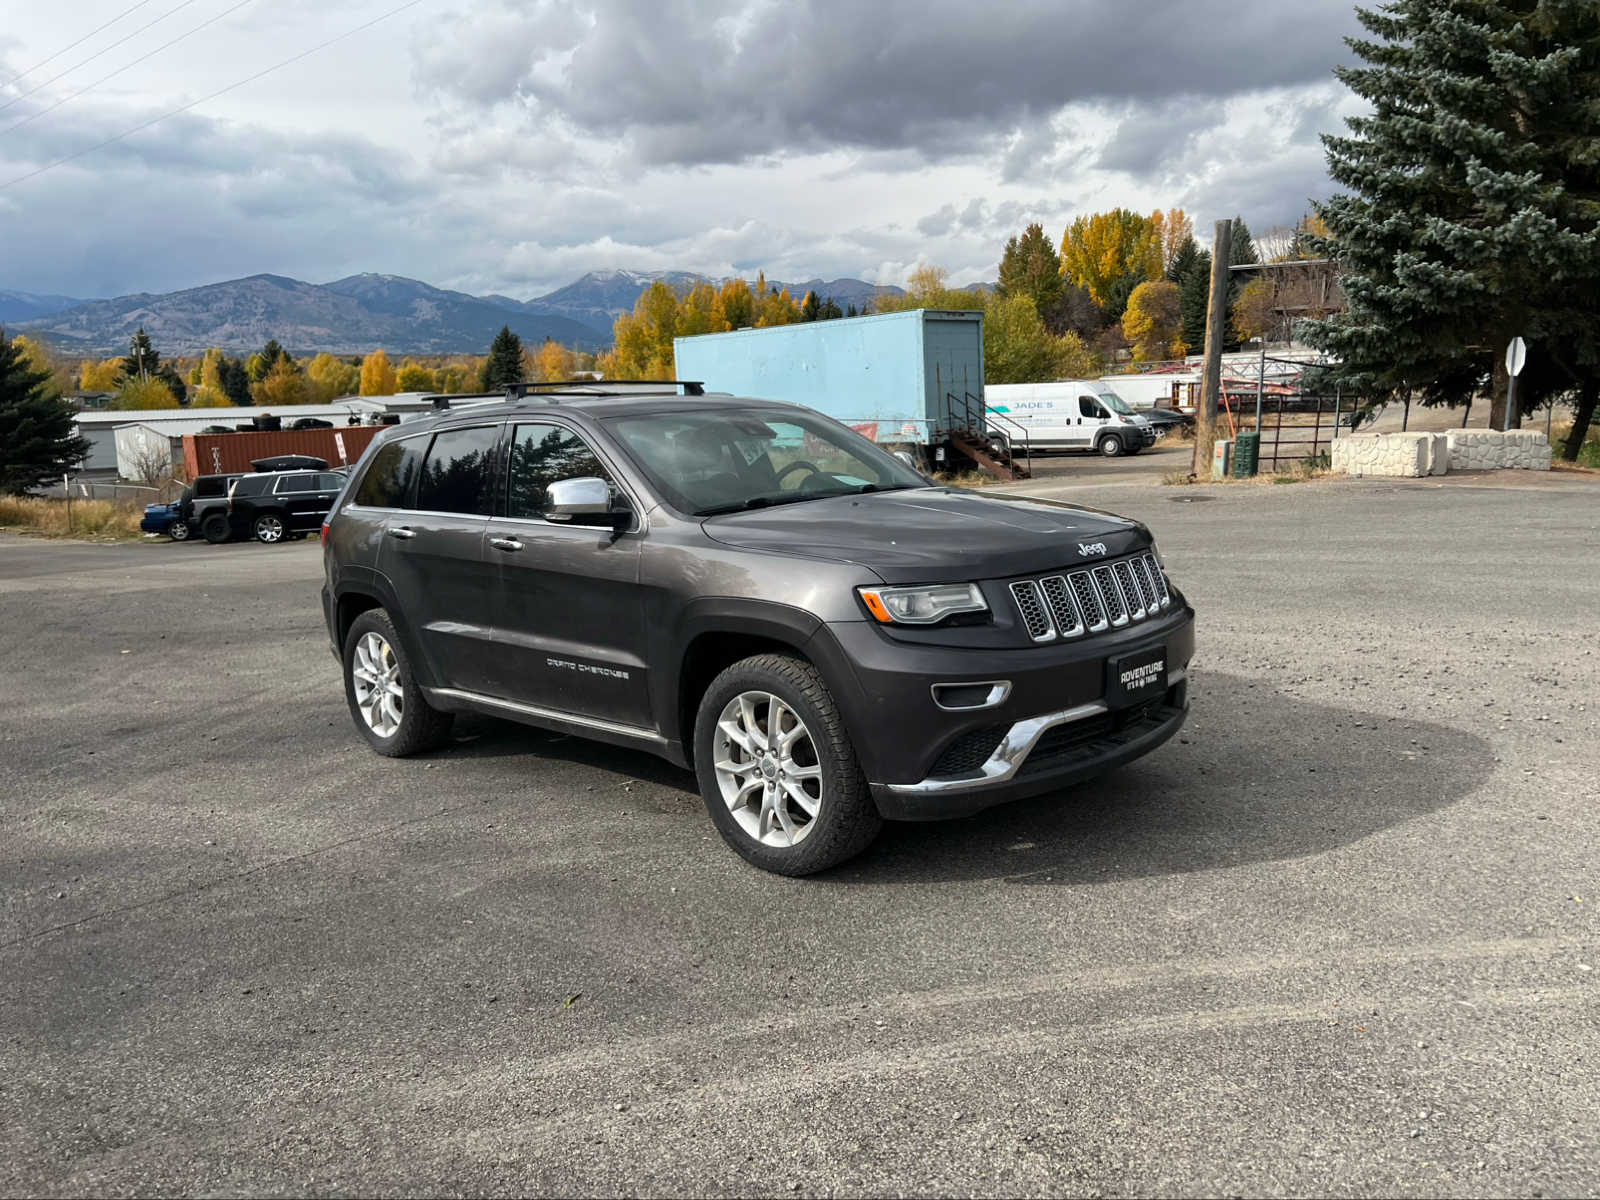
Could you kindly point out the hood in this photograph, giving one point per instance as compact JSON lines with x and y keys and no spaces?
{"x":931,"y":535}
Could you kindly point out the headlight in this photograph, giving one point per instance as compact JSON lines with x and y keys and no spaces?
{"x":922,"y":605}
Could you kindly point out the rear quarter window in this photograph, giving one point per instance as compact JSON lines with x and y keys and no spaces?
{"x":391,"y":476}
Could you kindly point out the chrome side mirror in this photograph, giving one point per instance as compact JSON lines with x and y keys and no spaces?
{"x":585,"y":497}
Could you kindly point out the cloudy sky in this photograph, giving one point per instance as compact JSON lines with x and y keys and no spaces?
{"x":511,"y":145}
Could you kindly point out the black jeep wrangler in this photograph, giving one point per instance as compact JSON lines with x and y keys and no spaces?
{"x":752,"y":590}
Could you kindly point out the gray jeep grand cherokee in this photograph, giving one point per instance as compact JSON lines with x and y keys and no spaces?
{"x":752,"y":590}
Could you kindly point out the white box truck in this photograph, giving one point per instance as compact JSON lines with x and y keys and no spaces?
{"x":1071,"y":414}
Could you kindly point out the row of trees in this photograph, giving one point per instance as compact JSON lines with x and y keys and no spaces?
{"x":273,"y":376}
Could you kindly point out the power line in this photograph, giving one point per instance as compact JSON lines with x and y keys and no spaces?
{"x":79,"y":42}
{"x":85,"y":62}
{"x":31,"y":117}
{"x":203,"y":99}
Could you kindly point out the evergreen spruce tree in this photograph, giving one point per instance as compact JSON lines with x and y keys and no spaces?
{"x":504,"y":365}
{"x":1472,"y":214}
{"x":142,"y":361}
{"x":37,"y":440}
{"x":830,"y":310}
{"x":235,"y":380}
{"x":1194,"y":295}
{"x":1031,"y":267}
{"x":811,"y":308}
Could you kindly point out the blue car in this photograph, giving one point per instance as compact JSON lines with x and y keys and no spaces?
{"x":164,"y":518}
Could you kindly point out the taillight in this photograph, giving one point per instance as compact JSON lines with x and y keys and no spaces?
{"x":324,"y":533}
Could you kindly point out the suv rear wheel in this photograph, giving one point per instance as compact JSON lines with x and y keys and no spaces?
{"x":777,"y":770}
{"x":215,"y":528}
{"x":269,"y":528}
{"x":385,"y":700}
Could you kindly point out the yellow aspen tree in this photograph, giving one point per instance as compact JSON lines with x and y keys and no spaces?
{"x":377,"y":376}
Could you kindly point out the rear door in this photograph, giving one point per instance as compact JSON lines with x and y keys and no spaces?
{"x":569,"y":613}
{"x":296,"y":495}
{"x":437,"y":490}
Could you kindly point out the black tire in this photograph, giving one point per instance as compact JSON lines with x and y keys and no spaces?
{"x":270,"y":528}
{"x":421,"y":727}
{"x":846,"y":820}
{"x":215,"y":528}
{"x":179,"y":531}
{"x":1111,"y":445}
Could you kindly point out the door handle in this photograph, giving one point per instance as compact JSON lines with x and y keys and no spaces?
{"x":401,"y":531}
{"x":508,"y":544}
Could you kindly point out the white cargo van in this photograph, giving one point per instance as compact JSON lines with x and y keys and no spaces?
{"x":1073,"y":414}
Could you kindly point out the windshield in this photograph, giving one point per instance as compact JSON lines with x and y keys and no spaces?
{"x":723,"y":461}
{"x":1115,"y":403}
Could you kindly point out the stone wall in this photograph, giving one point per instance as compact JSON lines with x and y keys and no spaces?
{"x":1492,"y":450}
{"x":1414,"y":455}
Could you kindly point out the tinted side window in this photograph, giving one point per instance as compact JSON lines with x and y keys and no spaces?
{"x":391,"y":474}
{"x":455,"y":477}
{"x":330,"y":483}
{"x":253,"y":485}
{"x":295,"y":483}
{"x":1088,"y":407}
{"x":542,"y":455}
{"x":211,"y":485}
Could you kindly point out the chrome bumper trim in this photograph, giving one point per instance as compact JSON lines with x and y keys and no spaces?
{"x":1013,"y":749}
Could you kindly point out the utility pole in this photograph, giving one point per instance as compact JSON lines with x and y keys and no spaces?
{"x":1205,"y":424}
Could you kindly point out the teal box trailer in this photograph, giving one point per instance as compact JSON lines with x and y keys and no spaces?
{"x":902,"y":378}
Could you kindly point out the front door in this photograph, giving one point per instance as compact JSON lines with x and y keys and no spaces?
{"x":569,"y":613}
{"x":1090,"y":418}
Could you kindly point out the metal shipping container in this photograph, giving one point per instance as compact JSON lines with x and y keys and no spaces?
{"x":226,"y":453}
{"x":904,"y":377}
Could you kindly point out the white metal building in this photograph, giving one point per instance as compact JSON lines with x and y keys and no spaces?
{"x":111,"y":455}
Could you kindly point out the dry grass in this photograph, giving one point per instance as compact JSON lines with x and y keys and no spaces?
{"x":98,"y":520}
{"x":1588,"y":453}
{"x":1300,"y":472}
{"x":965,"y":479}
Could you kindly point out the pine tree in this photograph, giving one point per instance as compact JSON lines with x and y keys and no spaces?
{"x":504,"y":365}
{"x":142,"y":361}
{"x":38,"y":443}
{"x":810,"y":308}
{"x":235,"y":381}
{"x":830,"y":310}
{"x":1031,"y":267}
{"x":1194,"y":296}
{"x":1473,"y":206}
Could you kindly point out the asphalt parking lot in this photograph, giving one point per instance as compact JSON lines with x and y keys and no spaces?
{"x":1340,"y":938}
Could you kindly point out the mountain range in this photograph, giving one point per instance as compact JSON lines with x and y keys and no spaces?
{"x":357,"y":314}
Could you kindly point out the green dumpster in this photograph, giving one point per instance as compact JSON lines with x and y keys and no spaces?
{"x":1246,"y":455}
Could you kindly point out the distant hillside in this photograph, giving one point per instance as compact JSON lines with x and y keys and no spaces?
{"x":16,"y":307}
{"x":348,"y":316}
{"x":362,"y":312}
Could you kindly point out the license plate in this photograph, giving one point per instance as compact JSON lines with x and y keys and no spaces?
{"x":1135,"y":678}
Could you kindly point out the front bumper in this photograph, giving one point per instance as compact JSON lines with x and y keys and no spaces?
{"x":1042,"y":754}
{"x":1051,"y":725}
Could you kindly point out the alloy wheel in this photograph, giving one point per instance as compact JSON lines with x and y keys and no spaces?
{"x":380,"y":696}
{"x":269,"y":529}
{"x":767,"y":769}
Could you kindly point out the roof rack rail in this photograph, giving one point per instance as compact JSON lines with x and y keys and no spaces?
{"x":602,"y":387}
{"x":570,"y":387}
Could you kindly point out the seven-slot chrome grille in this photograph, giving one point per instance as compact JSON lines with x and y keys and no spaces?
{"x":1107,"y":595}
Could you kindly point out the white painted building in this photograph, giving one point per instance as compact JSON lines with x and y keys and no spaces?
{"x":112,"y":454}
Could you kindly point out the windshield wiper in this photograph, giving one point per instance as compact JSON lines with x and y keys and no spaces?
{"x":774,"y":501}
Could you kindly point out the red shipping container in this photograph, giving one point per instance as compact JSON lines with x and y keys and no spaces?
{"x":232,"y":453}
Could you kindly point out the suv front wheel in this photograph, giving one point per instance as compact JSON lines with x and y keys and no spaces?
{"x":776,"y":767}
{"x":385,"y":699}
